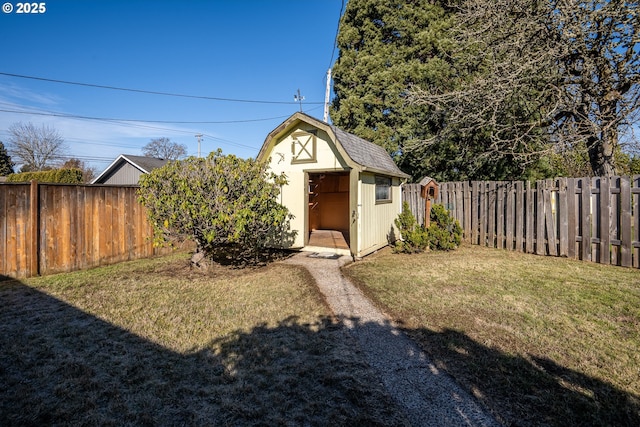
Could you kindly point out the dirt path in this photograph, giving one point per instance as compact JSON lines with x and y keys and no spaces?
{"x":429,"y":396}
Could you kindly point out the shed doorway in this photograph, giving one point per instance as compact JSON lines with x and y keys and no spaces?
{"x":328,"y":211}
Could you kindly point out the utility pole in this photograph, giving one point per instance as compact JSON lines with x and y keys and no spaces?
{"x":298,"y":98}
{"x":326,"y":97}
{"x":199,"y":136}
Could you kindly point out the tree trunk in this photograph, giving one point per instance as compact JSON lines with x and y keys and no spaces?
{"x":601,"y":153}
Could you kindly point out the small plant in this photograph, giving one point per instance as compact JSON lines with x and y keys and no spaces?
{"x":414,"y":236}
{"x":444,"y":233}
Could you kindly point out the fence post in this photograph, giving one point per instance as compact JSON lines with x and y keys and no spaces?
{"x":34,"y":250}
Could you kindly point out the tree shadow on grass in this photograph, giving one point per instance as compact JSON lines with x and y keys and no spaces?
{"x":60,"y":365}
{"x":529,"y":391}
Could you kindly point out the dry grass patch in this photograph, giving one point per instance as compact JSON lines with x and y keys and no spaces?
{"x":153,"y":342}
{"x":541,"y":340}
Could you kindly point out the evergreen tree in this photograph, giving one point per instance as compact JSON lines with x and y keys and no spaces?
{"x":389,"y":49}
{"x":386,"y":47}
{"x":6,"y":165}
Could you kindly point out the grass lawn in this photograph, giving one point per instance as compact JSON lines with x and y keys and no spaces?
{"x":152,"y":342}
{"x":540,"y":340}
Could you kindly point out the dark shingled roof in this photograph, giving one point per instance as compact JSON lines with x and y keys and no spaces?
{"x":146,"y":163}
{"x":367,"y":153}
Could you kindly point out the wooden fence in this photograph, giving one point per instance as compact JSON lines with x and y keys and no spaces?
{"x":50,"y":228}
{"x":411,"y":195}
{"x":593,"y":219}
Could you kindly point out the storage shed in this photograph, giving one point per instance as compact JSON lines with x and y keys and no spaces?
{"x":343,"y":191}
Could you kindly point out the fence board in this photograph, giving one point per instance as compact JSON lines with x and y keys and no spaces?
{"x":530,"y":218}
{"x":81,"y":235}
{"x":593,"y":219}
{"x":519,"y":213}
{"x":549,"y":226}
{"x":562,"y":218}
{"x":500,"y":207}
{"x":604,"y":223}
{"x":13,"y":254}
{"x":473,"y":210}
{"x":539,"y":216}
{"x":585,"y":220}
{"x":625,"y":222}
{"x":509,"y":204}
{"x":571,"y":213}
{"x":491,"y":213}
{"x":76,"y":227}
{"x":4,"y":266}
{"x":483,"y":213}
{"x":466,"y":189}
{"x":635,"y":195}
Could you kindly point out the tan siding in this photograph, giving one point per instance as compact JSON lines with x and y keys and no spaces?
{"x":293,"y":194}
{"x":377,"y":219}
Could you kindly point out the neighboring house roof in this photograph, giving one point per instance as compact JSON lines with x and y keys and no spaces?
{"x":366,"y":154}
{"x":142,"y":163}
{"x":146,"y":164}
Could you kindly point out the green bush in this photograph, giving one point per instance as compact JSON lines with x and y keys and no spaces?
{"x":444,"y":233}
{"x":57,"y":176}
{"x":414,"y":236}
{"x":227,"y":205}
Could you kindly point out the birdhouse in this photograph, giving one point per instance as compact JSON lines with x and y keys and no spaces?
{"x":428,"y":188}
{"x":429,"y":192}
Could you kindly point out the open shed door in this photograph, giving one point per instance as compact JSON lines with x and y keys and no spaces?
{"x":329,"y":202}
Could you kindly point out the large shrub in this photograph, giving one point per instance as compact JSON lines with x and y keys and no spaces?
{"x":57,"y":176}
{"x":227,"y":205}
{"x":444,"y":232}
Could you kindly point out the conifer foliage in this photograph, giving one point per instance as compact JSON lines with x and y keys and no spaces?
{"x":386,"y":46}
{"x":6,"y":165}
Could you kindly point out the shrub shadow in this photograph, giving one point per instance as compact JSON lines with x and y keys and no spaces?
{"x":60,"y":365}
{"x":531,"y":391}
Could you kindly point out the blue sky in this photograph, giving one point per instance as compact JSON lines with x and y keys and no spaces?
{"x":255,"y":50}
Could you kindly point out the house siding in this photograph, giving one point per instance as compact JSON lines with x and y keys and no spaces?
{"x":377,"y":220}
{"x":124,"y":174}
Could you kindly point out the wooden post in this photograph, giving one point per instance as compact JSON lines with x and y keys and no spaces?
{"x":427,"y":211}
{"x":34,"y":252}
{"x":429,"y":191}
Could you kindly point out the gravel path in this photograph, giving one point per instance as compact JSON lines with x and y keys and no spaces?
{"x":429,"y":396}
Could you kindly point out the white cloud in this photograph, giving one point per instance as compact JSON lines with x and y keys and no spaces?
{"x":11,"y":91}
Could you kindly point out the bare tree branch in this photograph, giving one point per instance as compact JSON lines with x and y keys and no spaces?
{"x":36,"y":148}
{"x":164,"y":148}
{"x":542,"y":76}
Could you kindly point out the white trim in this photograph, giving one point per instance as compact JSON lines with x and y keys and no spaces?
{"x":115,"y":162}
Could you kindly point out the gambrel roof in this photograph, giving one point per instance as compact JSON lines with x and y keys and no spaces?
{"x":367,"y":155}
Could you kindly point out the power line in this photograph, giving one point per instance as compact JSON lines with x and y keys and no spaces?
{"x":335,"y":39}
{"x":138,"y":124}
{"x":150,"y":92}
{"x":109,"y":119}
